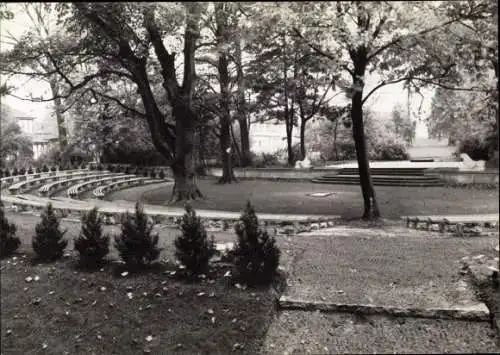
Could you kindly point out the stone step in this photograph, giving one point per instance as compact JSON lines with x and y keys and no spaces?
{"x":385,"y":171}
{"x":385,"y":177}
{"x":384,"y":182}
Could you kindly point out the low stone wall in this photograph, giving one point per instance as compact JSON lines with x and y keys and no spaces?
{"x":454,"y":177}
{"x":274,"y":173}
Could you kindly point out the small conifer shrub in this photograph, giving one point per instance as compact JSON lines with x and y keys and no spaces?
{"x":6,"y":173}
{"x":162,"y":174}
{"x":92,"y":245}
{"x":193,"y":248}
{"x":45,"y":169}
{"x":153,"y":173}
{"x":256,"y":254}
{"x":48,"y":242}
{"x":38,"y":170}
{"x":30,"y":170}
{"x":15,"y":172}
{"x":145,"y":173}
{"x":53,"y":168}
{"x":9,"y":242}
{"x":136,"y":244}
{"x":22,"y":171}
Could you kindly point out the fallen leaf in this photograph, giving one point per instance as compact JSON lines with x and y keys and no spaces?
{"x":99,"y":336}
{"x":94,"y":303}
{"x":37,"y":301}
{"x":228,"y":273}
{"x":211,"y":294}
{"x":9,"y":331}
{"x":37,"y":278}
{"x":130,"y":295}
{"x":210,"y":311}
{"x":125,"y":273}
{"x":44,"y":346}
{"x":213,"y":320}
{"x":201,"y":294}
{"x":202,"y":276}
{"x":28,"y":279}
{"x":234,"y":320}
{"x":25,"y":289}
{"x":182,"y":267}
{"x":172,"y":273}
{"x":52,"y":292}
{"x":149,"y":338}
{"x":238,"y":346}
{"x":145,"y":294}
{"x":102,"y":288}
{"x":101,"y":270}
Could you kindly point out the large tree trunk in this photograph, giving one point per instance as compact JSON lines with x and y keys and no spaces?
{"x":225,"y":116}
{"x":335,"y":130}
{"x":371,"y":209}
{"x":303,"y":123}
{"x":184,"y":165}
{"x":246,"y":156}
{"x":61,"y":125}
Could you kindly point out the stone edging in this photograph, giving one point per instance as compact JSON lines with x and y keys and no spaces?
{"x":480,"y":269}
{"x":481,"y":314}
{"x":278,"y":227}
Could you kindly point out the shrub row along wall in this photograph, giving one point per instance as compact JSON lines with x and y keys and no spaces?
{"x":274,"y":173}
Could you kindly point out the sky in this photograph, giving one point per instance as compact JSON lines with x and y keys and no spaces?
{"x":381,"y":102}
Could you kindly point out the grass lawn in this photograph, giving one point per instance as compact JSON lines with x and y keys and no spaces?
{"x":70,"y":311}
{"x":346,"y":200}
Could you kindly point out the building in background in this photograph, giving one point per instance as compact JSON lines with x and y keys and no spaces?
{"x":38,"y":127}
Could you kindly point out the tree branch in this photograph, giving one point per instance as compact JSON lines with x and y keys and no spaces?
{"x":398,"y":39}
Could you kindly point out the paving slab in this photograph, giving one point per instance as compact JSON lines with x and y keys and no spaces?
{"x":390,"y":266}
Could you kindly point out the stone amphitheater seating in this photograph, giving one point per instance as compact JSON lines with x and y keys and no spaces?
{"x":76,"y":190}
{"x":101,"y":191}
{"x":7,"y":181}
{"x":49,"y":189}
{"x":25,"y":185}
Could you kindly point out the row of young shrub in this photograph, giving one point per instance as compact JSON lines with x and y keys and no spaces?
{"x":37,"y":170}
{"x":153,"y":173}
{"x":256,"y":255}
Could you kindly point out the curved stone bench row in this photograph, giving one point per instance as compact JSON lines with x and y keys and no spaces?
{"x":172,"y":218}
{"x":102,"y":191}
{"x":76,"y":190}
{"x":49,"y":189}
{"x":23,"y":186}
{"x":7,"y":181}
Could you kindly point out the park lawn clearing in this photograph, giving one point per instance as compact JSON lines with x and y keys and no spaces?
{"x":289,"y":197}
{"x":55,"y":308}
